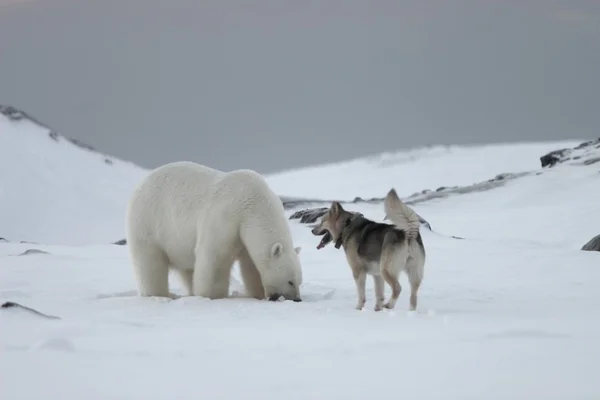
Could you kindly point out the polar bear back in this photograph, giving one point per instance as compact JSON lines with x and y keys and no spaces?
{"x":166,"y":204}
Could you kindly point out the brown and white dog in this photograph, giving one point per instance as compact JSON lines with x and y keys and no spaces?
{"x":378,"y":249}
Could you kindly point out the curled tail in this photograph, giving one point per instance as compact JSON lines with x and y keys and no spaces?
{"x":401,"y":215}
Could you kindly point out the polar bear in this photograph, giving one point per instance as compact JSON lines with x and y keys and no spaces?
{"x":198,"y":221}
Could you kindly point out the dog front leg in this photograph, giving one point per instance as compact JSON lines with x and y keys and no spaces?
{"x":360,"y":278}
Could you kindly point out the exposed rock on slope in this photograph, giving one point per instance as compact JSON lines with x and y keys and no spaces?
{"x":585,"y":153}
{"x":311,"y":215}
{"x":592,"y":245}
{"x":15,"y":115}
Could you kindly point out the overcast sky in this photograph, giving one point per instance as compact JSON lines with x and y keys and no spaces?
{"x":271,"y":85}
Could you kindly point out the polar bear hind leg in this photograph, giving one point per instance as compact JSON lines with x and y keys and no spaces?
{"x":250,"y":275}
{"x":151,"y":269}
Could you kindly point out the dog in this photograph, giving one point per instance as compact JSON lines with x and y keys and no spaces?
{"x":378,"y":249}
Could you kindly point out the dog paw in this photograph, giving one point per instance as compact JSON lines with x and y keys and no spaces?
{"x":378,"y":308}
{"x":389,"y":306}
{"x":359,"y":307}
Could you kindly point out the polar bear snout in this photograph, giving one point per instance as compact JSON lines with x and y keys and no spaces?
{"x":276,"y":296}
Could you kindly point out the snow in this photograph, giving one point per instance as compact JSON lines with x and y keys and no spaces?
{"x":54,"y":192}
{"x":412,"y":171}
{"x":510,"y":312}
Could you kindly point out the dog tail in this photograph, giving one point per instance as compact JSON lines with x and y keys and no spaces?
{"x":401,"y":215}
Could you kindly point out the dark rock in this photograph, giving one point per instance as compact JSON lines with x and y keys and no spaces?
{"x":81,"y":144}
{"x":3,"y":240}
{"x":500,"y":177}
{"x":16,"y":115}
{"x":12,"y":113}
{"x":108,"y":161}
{"x":586,"y":144}
{"x":11,"y":304}
{"x":552,"y":158}
{"x":33,"y":251}
{"x":585,"y":153}
{"x":121,"y":242}
{"x":592,"y":245}
{"x":309,"y":216}
{"x":590,"y":161}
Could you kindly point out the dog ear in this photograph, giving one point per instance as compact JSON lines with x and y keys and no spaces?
{"x":336,"y":208}
{"x":298,"y":249}
{"x":276,"y":250}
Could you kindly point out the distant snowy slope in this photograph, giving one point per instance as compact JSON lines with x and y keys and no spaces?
{"x":411,"y":171}
{"x":56,"y":192}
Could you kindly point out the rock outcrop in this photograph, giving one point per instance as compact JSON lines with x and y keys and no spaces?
{"x":592,"y":245}
{"x":16,"y":115}
{"x":586,"y":153}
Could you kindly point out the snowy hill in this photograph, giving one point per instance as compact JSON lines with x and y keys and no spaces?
{"x":412,"y":171}
{"x":506,"y":313}
{"x":57,"y":191}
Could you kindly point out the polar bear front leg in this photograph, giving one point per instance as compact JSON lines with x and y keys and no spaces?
{"x":212,"y":269}
{"x":250,"y":276}
{"x":212,"y":273}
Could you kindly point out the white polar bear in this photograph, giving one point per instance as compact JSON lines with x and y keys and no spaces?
{"x":198,"y":221}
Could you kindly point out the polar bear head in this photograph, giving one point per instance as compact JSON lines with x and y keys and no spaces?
{"x":281,"y":273}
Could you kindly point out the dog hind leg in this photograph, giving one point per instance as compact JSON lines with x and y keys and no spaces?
{"x":414,"y":270}
{"x":379,"y":284}
{"x":393,"y":260}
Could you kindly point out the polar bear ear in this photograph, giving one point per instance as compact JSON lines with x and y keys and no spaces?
{"x":298,"y":249}
{"x":276,"y":250}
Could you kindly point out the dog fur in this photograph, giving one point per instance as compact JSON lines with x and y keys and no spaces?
{"x":378,"y":249}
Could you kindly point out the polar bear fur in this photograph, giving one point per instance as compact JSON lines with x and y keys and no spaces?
{"x":198,"y":221}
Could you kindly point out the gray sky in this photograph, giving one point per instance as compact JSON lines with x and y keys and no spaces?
{"x":257,"y":84}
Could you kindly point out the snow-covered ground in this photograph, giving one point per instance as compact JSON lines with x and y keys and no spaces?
{"x":54,"y":192}
{"x":510,"y":312}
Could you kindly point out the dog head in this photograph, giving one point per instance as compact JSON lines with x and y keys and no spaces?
{"x":332,"y":225}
